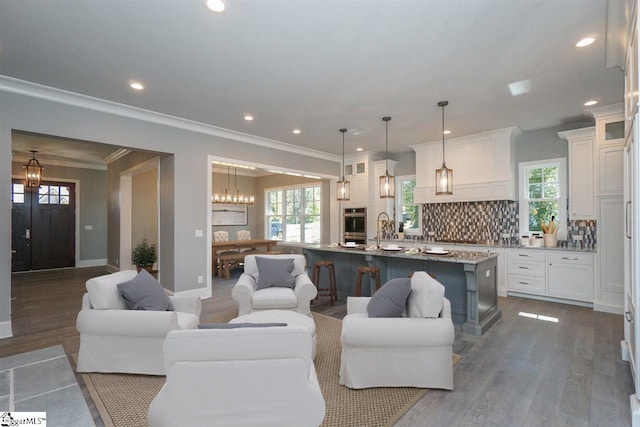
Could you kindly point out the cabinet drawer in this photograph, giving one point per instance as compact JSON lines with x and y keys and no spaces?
{"x":570,"y":258}
{"x":526,"y":268}
{"x":527,"y":254}
{"x":526,"y":284}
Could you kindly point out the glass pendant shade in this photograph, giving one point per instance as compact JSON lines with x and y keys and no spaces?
{"x":343,"y":187}
{"x":344,"y":190}
{"x":444,"y":180}
{"x":444,"y":175}
{"x":32,"y":172}
{"x":387,"y":182}
{"x":387,"y":186}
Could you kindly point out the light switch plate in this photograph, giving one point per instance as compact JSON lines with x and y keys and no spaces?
{"x":88,"y":227}
{"x":576,"y":236}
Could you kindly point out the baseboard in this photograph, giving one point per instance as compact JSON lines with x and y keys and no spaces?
{"x":112,"y":268}
{"x":5,"y":329}
{"x":200,"y":292}
{"x":613,"y":309}
{"x":92,"y":262}
{"x":550,"y":299}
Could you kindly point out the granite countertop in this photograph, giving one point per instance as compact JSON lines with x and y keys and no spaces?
{"x":456,"y":256}
{"x":487,"y":244}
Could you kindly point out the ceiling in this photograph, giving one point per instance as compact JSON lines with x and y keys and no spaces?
{"x":320,"y":65}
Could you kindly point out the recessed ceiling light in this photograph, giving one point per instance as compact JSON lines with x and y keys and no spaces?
{"x":359,"y":149}
{"x":590,"y":103}
{"x":248,"y":117}
{"x":297,"y":131}
{"x":586,"y":41}
{"x":136,"y":85}
{"x":446,"y":132}
{"x":216,"y":6}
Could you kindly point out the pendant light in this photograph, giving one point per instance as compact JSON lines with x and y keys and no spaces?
{"x":444,"y":175}
{"x":387,"y":182}
{"x":33,"y":172}
{"x":343,"y":187}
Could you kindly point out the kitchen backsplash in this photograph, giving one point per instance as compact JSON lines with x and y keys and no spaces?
{"x":487,"y":221}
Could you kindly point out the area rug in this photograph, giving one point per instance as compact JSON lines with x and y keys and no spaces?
{"x":123,"y":400}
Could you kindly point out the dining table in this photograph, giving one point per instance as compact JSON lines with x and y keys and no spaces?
{"x":238,"y":245}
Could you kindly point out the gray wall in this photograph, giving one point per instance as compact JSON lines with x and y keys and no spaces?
{"x":144,"y":207}
{"x":185,"y":197}
{"x":406,"y":163}
{"x":92,"y":206}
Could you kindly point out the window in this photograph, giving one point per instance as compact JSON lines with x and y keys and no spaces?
{"x":53,"y":195}
{"x":17,"y":193}
{"x":410,"y":214}
{"x":293,"y":214}
{"x":543,"y":189}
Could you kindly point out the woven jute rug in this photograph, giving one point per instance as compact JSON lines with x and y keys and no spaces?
{"x":123,"y":400}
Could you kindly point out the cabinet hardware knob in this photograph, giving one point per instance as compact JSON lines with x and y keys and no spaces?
{"x":524,"y":268}
{"x":570,"y":258}
{"x":523,"y":283}
{"x":627,"y":315}
{"x":523,"y":255}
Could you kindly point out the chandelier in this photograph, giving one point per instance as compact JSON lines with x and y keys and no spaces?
{"x":33,"y":172}
{"x":233,"y":199}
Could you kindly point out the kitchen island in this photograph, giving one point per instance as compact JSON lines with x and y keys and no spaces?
{"x":469,"y":277}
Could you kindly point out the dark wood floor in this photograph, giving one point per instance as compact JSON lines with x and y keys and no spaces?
{"x":523,"y":372}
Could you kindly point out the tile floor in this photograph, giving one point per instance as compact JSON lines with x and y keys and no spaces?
{"x":43,"y":381}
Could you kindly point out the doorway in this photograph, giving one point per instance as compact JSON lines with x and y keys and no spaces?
{"x":43,"y":231}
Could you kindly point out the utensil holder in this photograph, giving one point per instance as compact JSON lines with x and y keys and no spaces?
{"x":550,"y":240}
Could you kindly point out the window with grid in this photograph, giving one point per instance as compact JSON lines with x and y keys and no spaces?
{"x":543,"y":190}
{"x":293,"y":214}
{"x":411,"y":214}
{"x":53,"y":195}
{"x":17,"y":193}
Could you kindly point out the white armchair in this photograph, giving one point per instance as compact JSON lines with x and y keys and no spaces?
{"x":114,"y":339}
{"x":396,"y":352}
{"x":280,"y":298}
{"x":239,"y":377}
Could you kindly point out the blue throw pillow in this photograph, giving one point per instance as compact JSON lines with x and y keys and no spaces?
{"x":275,"y":272}
{"x":390,"y":300}
{"x":144,"y":292}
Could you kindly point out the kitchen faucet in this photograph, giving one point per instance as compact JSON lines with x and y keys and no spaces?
{"x":378,"y":226}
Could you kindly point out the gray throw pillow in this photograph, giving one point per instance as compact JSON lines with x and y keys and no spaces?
{"x":143,"y":292}
{"x":238,"y":325}
{"x":390,"y":300}
{"x":275,"y":272}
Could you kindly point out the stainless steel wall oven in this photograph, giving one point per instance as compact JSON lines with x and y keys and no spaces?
{"x":355,"y":225}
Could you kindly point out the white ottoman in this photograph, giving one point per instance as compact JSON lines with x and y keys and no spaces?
{"x":282,"y":316}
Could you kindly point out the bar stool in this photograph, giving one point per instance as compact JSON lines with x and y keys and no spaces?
{"x":373,"y":272}
{"x":332,"y":291}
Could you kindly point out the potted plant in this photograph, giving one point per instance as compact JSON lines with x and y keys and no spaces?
{"x":144,"y":256}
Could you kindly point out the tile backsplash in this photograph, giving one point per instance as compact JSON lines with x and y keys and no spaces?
{"x":488,"y":221}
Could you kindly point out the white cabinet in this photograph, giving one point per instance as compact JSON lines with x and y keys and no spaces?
{"x":526,"y":272}
{"x":557,"y":274}
{"x":581,"y":172}
{"x":609,"y":289}
{"x":482,"y":168}
{"x":609,"y":168}
{"x":570,"y":276}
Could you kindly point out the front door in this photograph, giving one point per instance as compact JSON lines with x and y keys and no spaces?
{"x":42,"y":226}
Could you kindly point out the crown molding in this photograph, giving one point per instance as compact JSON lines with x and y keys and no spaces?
{"x":18,"y":158}
{"x":38,"y":91}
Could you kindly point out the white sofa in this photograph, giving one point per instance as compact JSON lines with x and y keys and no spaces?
{"x":239,"y":377}
{"x":114,"y":339}
{"x":297,"y":299}
{"x":396,"y":352}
